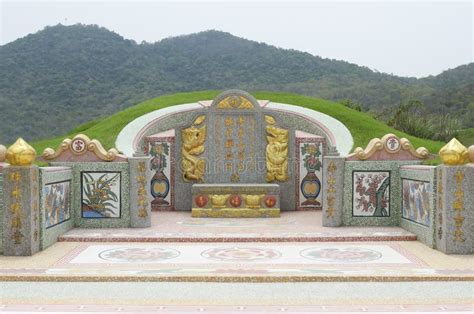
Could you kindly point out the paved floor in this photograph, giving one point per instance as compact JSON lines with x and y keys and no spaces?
{"x":292,"y":227}
{"x":239,"y":262}
{"x":238,"y":297}
{"x":186,"y":265}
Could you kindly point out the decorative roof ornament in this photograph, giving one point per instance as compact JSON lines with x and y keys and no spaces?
{"x":454,"y":153}
{"x":20,"y":153}
{"x":81,"y":148}
{"x":390,"y":147}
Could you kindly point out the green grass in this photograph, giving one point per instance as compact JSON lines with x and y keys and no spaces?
{"x":466,"y":137}
{"x":362,"y":126}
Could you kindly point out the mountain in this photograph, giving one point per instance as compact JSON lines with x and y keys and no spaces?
{"x":63,"y":76}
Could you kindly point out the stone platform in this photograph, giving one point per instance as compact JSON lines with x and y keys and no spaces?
{"x":300,"y":226}
{"x":236,"y":200}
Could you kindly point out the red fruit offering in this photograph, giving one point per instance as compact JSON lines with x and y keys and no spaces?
{"x":270,"y":201}
{"x":235,"y":200}
{"x":201,"y":200}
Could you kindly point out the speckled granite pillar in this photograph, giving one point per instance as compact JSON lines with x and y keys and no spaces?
{"x":455,"y":209}
{"x":140,"y":194}
{"x":21,"y":216}
{"x":333,"y":190}
{"x":1,"y":209}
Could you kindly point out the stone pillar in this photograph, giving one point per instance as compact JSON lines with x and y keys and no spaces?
{"x":333,"y":190}
{"x":140,"y":193}
{"x":21,"y":215}
{"x":455,"y":209}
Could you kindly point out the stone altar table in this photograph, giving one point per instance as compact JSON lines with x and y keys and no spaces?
{"x":235,"y":200}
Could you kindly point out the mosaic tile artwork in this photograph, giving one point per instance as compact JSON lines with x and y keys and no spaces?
{"x":57,"y":203}
{"x":416,"y":201}
{"x":240,"y":253}
{"x":138,"y":254}
{"x":371,"y":194}
{"x":341,"y":255}
{"x":101,"y":196}
{"x":309,"y":175}
{"x":161,"y":182}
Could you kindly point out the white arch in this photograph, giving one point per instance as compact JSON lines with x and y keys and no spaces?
{"x":339,"y":135}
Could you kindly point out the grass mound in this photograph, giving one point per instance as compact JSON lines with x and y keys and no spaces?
{"x":362,"y":126}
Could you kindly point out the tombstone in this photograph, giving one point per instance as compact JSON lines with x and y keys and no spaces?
{"x":236,"y":155}
{"x":239,"y":143}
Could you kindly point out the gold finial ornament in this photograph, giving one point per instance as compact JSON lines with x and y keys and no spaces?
{"x":454,"y":153}
{"x":21,"y":153}
{"x":3,"y":153}
{"x":470,"y":151}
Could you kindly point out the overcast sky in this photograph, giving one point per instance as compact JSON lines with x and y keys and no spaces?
{"x":407,"y":38}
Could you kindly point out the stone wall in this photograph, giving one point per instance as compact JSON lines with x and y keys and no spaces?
{"x":418,"y":202}
{"x":56,"y":214}
{"x":362,"y":179}
{"x":119,"y":215}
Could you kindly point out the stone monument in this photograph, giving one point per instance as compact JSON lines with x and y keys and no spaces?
{"x":234,"y":153}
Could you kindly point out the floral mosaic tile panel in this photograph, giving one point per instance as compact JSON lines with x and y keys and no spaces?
{"x":100,"y":197}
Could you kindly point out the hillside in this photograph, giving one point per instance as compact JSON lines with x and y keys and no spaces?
{"x":63,"y":76}
{"x":362,"y":126}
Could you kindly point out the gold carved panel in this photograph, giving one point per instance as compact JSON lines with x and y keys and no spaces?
{"x":276,"y":152}
{"x":193,"y":145}
{"x":235,"y":102}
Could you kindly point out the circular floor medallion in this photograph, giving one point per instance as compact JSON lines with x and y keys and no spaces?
{"x":138,"y":254}
{"x":240,"y":254}
{"x":341,"y":255}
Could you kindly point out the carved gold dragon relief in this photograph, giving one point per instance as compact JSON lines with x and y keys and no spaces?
{"x":276,"y":152}
{"x":193,"y":140}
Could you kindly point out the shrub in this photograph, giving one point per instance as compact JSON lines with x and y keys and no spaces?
{"x":414,"y":119}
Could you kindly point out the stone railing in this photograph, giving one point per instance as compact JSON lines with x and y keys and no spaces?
{"x":83,"y":186}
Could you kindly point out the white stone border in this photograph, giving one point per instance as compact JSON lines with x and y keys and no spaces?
{"x":126,"y":138}
{"x":339,"y":134}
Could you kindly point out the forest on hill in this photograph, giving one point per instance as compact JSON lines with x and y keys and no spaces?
{"x":63,"y":76}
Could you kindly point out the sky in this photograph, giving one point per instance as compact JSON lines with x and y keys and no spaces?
{"x":405,"y":38}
